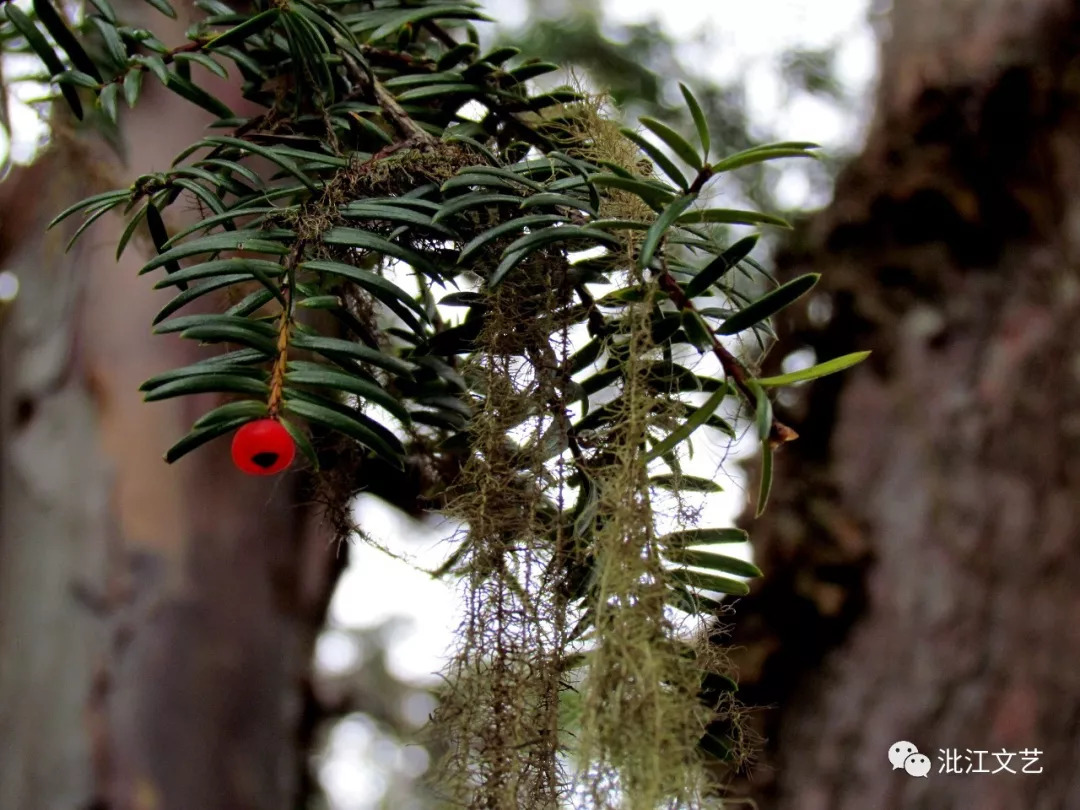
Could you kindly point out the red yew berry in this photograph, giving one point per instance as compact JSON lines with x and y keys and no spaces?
{"x":263,"y":447}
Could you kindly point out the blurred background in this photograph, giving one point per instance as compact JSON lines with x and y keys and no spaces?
{"x":158,"y":625}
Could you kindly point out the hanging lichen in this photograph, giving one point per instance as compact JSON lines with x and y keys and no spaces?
{"x":501,"y":709}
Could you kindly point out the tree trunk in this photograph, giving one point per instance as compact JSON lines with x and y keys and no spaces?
{"x":923,"y":544}
{"x":156,"y":622}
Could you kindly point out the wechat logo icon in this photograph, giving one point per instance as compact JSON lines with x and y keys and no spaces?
{"x":905,"y":755}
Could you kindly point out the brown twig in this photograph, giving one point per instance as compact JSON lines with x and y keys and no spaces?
{"x":779,"y":433}
{"x":408,"y":129}
{"x":281,"y":362}
{"x":440,"y":33}
{"x":396,"y":59}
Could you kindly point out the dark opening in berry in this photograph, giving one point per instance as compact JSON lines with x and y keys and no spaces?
{"x":263,"y":447}
{"x":265,"y":460}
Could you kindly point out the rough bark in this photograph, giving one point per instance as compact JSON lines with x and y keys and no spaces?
{"x":156,"y":621}
{"x":921,"y":551}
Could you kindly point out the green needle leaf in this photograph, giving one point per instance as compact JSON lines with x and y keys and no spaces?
{"x":381,"y":288}
{"x":160,"y":235}
{"x":812,"y":373}
{"x":712,"y":561}
{"x":655,"y":195}
{"x":254,"y":241}
{"x":659,"y":158}
{"x":414,"y":16}
{"x":246,"y":29}
{"x":189,"y":294}
{"x":659,"y":228}
{"x":505,"y":228}
{"x":760,"y":154}
{"x":351,"y":237}
{"x":335,"y":420}
{"x":685,"y":483}
{"x":328,"y":347}
{"x":132,"y":86}
{"x":718,"y":267}
{"x":763,"y":413}
{"x":711,"y":582}
{"x":196,"y":95}
{"x":164,"y":7}
{"x":769,"y":304}
{"x":230,"y":333}
{"x":39,"y":45}
{"x":303,"y":443}
{"x":700,"y":123}
{"x":516,"y":252}
{"x":326,"y":377}
{"x":247,"y":409}
{"x":56,"y":26}
{"x":208,"y":383}
{"x":703,"y":537}
{"x":111,"y":198}
{"x":698,"y":418}
{"x":731,"y":216}
{"x":197,"y":438}
{"x":765,"y":486}
{"x":679,"y":145}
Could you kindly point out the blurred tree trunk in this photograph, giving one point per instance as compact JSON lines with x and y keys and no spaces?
{"x":923,"y":546}
{"x":156,"y":622}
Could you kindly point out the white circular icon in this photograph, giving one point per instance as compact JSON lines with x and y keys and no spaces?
{"x":899,"y":752}
{"x":917,"y":764}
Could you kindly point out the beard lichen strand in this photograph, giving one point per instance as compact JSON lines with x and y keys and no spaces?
{"x":551,"y":383}
{"x":500,"y":711}
{"x":640,"y":717}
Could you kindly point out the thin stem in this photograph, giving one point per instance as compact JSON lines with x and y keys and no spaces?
{"x":779,"y":433}
{"x":281,"y":363}
{"x":408,"y":129}
{"x":440,"y":33}
{"x":168,"y":58}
